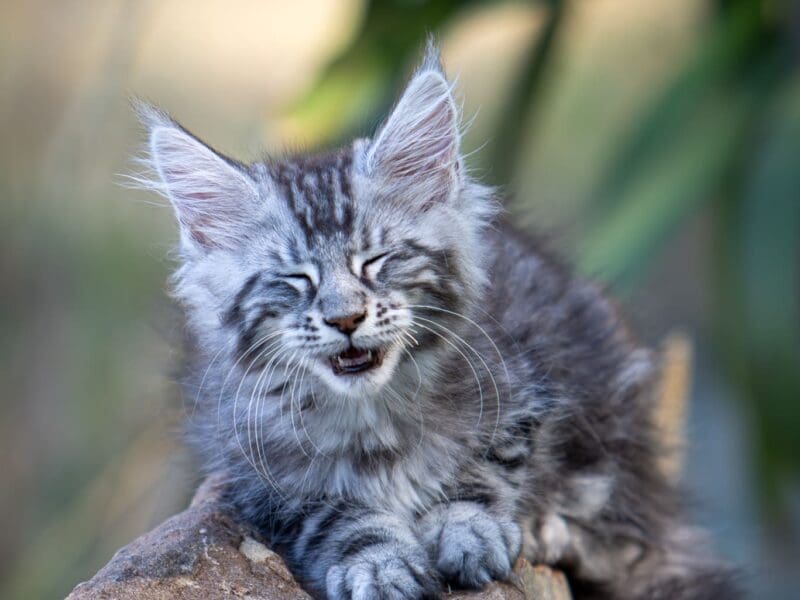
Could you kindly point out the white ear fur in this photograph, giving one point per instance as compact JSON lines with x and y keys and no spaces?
{"x":419,"y":143}
{"x":211,"y":194}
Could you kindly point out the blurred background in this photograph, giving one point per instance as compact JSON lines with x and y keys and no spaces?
{"x":657,"y":143}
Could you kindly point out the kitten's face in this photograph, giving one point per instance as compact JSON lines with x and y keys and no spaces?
{"x":338,"y":288}
{"x":341,"y":265}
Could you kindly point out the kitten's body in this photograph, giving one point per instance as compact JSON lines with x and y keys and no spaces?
{"x":504,"y":407}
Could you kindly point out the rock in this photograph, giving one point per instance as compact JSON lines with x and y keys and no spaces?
{"x":204,"y":552}
{"x":200,"y":553}
{"x":542,"y":583}
{"x":529,"y":583}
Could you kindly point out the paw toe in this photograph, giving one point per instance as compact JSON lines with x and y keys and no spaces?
{"x":472,"y":554}
{"x":384,"y":572}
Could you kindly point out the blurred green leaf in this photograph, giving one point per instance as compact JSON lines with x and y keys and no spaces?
{"x":683,"y":147}
{"x":375,"y":63}
{"x":726,"y":49}
{"x":504,"y":150}
{"x":654,"y":201}
{"x":759,"y":299}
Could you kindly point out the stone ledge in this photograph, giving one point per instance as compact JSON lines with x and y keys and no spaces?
{"x":204,"y":553}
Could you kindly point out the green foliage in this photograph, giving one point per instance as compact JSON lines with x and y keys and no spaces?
{"x":758,"y":292}
{"x":375,"y":63}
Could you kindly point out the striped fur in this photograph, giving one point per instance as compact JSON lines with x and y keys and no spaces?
{"x":511,"y":411}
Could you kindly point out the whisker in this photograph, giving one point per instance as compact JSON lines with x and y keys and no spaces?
{"x":199,"y":392}
{"x":242,"y":380}
{"x":302,"y":373}
{"x":241,"y":357}
{"x":287,"y":377}
{"x":415,"y":399}
{"x":263,"y":384}
{"x":466,"y":359}
{"x":481,"y":329}
{"x":300,"y":408}
{"x":248,"y":454}
{"x":264,"y":472}
{"x":485,"y":366}
{"x":294,"y":373}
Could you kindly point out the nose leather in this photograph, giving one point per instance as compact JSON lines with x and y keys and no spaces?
{"x":347,"y":324}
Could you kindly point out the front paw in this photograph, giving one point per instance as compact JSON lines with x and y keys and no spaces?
{"x":387,"y":571}
{"x":470,"y":547}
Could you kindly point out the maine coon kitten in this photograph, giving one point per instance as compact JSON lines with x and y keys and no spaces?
{"x":402,"y":389}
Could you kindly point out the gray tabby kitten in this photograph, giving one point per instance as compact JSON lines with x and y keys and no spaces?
{"x":402,"y":389}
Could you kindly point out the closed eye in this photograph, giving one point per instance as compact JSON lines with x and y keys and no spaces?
{"x":373,"y":261}
{"x":300,"y":281}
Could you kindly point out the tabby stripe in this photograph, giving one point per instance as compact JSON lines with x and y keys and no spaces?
{"x":477,"y":493}
{"x":445,"y":294}
{"x":346,"y":160}
{"x":420,"y":249}
{"x":508,"y":462}
{"x":234,"y":314}
{"x":364,"y":539}
{"x":324,"y":527}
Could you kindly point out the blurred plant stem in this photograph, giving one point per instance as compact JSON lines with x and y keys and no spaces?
{"x":504,"y":150}
{"x":757,"y":237}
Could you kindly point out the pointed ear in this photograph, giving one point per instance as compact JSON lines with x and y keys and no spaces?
{"x":419,"y":143}
{"x":213,"y":196}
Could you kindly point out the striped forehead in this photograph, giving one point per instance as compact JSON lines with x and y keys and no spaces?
{"x":317,"y":190}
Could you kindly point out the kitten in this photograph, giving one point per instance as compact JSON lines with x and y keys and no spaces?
{"x":402,"y":389}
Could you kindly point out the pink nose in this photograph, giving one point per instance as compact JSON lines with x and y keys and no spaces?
{"x":347,"y":324}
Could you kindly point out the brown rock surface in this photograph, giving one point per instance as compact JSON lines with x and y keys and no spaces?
{"x":204,"y":552}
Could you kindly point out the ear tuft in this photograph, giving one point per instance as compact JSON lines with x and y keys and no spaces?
{"x":419,"y":143}
{"x":432,"y":59}
{"x":213,"y":196}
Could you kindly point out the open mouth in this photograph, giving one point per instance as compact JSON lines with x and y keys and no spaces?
{"x":355,"y":360}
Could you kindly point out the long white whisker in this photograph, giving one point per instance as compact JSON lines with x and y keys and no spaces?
{"x":248,"y":454}
{"x":466,"y":359}
{"x":415,"y":398}
{"x":485,"y":366}
{"x":401,"y":338}
{"x":301,"y":374}
{"x":287,"y":377}
{"x":294,"y":373}
{"x":260,"y":398}
{"x":300,"y":408}
{"x":199,"y":392}
{"x":241,"y":357}
{"x":270,"y":371}
{"x":265,"y":473}
{"x":481,"y":329}
{"x":243,"y":378}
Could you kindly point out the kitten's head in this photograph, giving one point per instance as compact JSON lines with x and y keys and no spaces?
{"x":341,"y":264}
